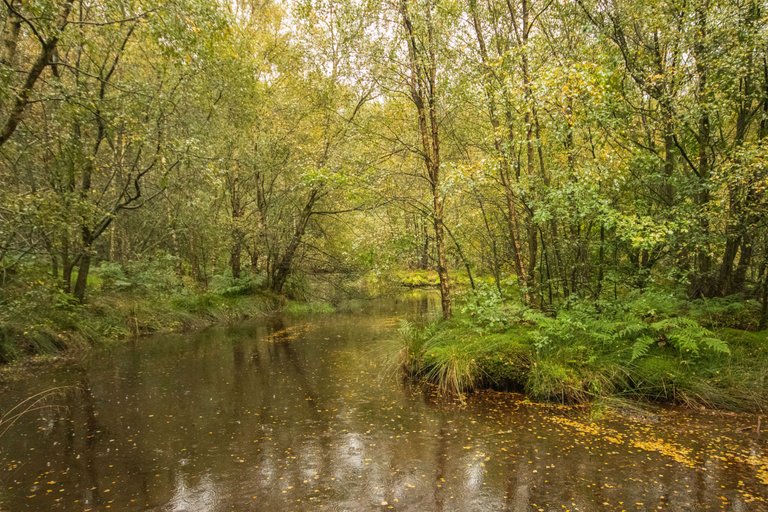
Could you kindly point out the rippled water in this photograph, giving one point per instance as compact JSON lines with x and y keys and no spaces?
{"x":309,"y":414}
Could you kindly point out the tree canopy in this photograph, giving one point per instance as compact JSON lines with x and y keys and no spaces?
{"x":570,"y":150}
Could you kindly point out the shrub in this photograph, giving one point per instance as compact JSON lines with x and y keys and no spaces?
{"x":486,"y":308}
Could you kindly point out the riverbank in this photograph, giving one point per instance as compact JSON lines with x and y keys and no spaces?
{"x":650,"y":347}
{"x":39,"y":322}
{"x":60,"y":328}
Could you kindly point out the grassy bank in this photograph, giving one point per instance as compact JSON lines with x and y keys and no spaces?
{"x":37,"y":319}
{"x":650,"y":346}
{"x":61,"y":327}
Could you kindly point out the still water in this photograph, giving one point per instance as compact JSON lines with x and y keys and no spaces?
{"x":309,"y":413}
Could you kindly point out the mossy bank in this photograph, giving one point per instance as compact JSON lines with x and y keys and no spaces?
{"x":649,"y":346}
{"x":40,"y":321}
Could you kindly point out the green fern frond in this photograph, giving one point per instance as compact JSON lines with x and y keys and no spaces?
{"x":641,"y":346}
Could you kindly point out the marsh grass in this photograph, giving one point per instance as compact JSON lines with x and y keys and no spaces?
{"x":32,"y":404}
{"x":643,"y":350}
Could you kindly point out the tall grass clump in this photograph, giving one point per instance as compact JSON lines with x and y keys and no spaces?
{"x":433,"y":354}
{"x":478,"y":348}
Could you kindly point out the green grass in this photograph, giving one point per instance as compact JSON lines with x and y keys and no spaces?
{"x":36,"y":318}
{"x":110,"y":317}
{"x":458,"y":358}
{"x":418,"y":278}
{"x":125,"y":302}
{"x":642,"y":349}
{"x":309,"y":308}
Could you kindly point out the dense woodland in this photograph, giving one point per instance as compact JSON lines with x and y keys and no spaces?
{"x":548,"y":152}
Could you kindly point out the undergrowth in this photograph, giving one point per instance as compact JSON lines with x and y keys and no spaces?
{"x":36,"y":317}
{"x":649,"y":346}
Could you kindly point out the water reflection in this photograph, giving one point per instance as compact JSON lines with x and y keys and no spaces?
{"x":308,"y":414}
{"x":200,"y":497}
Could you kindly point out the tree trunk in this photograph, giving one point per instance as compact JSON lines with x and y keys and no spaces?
{"x":764,"y":299}
{"x":66,"y":267}
{"x":44,"y":57}
{"x":235,"y":258}
{"x":745,"y":260}
{"x":505,"y":166}
{"x":442,"y":265}
{"x":423,"y":90}
{"x":236,"y":247}
{"x":81,"y":283}
{"x":10,"y":34}
{"x":424,"y":262}
{"x":283,"y":267}
{"x":702,"y":284}
{"x":254,"y":261}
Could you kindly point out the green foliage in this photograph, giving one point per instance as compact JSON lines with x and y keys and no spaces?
{"x":551,"y":380}
{"x":452,"y":367}
{"x":226,"y":286}
{"x":415,"y":342}
{"x":458,"y":359}
{"x":157,"y":275}
{"x":733,"y":311}
{"x":309,"y":308}
{"x":417,"y":278}
{"x":37,"y":317}
{"x":630,"y":330}
{"x":639,"y":348}
{"x":486,"y":308}
{"x":687,"y":336}
{"x":195,"y":141}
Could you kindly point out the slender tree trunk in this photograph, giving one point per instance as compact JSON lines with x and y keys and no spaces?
{"x":737,"y":222}
{"x":505,"y":166}
{"x":495,"y":265}
{"x":83,"y":260}
{"x":175,"y":247}
{"x":254,"y":261}
{"x":442,"y":264}
{"x":67,"y":266}
{"x":764,"y":295}
{"x":668,"y":192}
{"x":702,"y":284}
{"x":283,"y":267}
{"x":236,"y":245}
{"x":423,"y":89}
{"x":532,"y":143}
{"x":23,"y":95}
{"x":745,"y":260}
{"x":424,"y":262}
{"x":83,"y":269}
{"x":235,"y":258}
{"x":600,"y":264}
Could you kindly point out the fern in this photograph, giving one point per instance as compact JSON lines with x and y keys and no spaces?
{"x":688,"y":337}
{"x":631,"y":329}
{"x":641,"y":346}
{"x":716,"y":345}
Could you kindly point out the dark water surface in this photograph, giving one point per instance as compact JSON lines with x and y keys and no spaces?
{"x":309,"y":414}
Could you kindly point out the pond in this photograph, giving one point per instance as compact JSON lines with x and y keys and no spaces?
{"x":309,"y":413}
